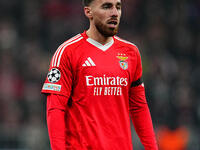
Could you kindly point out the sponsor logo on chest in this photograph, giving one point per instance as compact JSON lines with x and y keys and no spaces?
{"x":106,"y":85}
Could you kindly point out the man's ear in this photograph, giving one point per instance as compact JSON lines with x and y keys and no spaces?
{"x":88,"y":12}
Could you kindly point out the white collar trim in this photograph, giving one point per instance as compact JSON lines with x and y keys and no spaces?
{"x":99,"y":45}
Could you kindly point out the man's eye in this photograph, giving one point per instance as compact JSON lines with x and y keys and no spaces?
{"x":118,"y":6}
{"x":106,"y":7}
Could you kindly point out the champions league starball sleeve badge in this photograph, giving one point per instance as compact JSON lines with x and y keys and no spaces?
{"x":54,"y":75}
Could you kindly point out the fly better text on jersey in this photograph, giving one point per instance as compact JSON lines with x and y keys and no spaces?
{"x":106,"y":85}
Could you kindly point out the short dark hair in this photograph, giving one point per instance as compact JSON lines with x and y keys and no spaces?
{"x":87,"y":2}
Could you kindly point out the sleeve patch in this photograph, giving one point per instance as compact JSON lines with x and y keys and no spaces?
{"x":54,"y":75}
{"x":52,"y":87}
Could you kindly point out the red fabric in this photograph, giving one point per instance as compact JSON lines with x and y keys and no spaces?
{"x":56,"y":109}
{"x":99,"y":86}
{"x":141,"y":118}
{"x":139,"y":111}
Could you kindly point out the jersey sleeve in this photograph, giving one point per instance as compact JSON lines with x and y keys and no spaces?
{"x":139,"y":110}
{"x":56,"y":109}
{"x":59,"y":77}
{"x":137,"y":79}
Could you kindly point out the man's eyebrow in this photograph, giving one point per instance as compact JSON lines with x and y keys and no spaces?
{"x":119,"y":3}
{"x":110,"y":4}
{"x":107,"y":3}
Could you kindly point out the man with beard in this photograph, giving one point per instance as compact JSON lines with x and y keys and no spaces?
{"x":93,"y":84}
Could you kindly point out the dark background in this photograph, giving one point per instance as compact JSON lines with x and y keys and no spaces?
{"x":167,"y":32}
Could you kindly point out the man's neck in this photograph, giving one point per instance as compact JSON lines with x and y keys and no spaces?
{"x":94,"y":34}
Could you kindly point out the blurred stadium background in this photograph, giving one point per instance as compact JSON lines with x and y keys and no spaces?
{"x":167,"y":33}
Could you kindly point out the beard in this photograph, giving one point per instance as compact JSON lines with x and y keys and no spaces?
{"x":104,"y":30}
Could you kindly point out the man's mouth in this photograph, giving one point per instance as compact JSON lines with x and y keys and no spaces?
{"x":112,"y":22}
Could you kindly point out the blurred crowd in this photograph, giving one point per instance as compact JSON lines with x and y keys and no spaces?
{"x":167,"y":32}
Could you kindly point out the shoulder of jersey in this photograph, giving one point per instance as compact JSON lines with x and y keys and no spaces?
{"x":74,"y":41}
{"x":125,"y":42}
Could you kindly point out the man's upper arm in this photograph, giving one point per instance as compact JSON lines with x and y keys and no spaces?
{"x":59,"y":77}
{"x":137,"y":80}
{"x":137,"y":97}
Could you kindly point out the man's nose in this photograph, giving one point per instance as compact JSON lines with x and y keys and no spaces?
{"x":115,"y":12}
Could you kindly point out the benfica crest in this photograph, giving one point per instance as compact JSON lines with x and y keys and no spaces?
{"x":123,"y":63}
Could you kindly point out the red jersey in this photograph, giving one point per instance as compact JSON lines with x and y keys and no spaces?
{"x":101,"y":85}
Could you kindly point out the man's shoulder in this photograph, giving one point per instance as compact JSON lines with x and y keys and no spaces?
{"x":65,"y":49}
{"x":69,"y":45}
{"x":72,"y":41}
{"x":126,"y":43}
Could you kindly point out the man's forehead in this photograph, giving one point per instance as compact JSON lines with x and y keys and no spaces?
{"x":108,"y":1}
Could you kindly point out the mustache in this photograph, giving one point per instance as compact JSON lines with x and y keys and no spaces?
{"x":113,"y":20}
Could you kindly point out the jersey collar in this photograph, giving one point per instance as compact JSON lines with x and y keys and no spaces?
{"x":99,"y":45}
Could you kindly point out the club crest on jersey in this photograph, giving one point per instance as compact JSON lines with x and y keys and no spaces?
{"x":123,"y":63}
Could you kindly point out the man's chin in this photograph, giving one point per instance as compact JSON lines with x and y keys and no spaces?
{"x":112,"y":31}
{"x":107,"y":31}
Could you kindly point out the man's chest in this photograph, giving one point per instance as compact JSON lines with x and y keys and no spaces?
{"x":114,"y":68}
{"x":115,"y":62}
